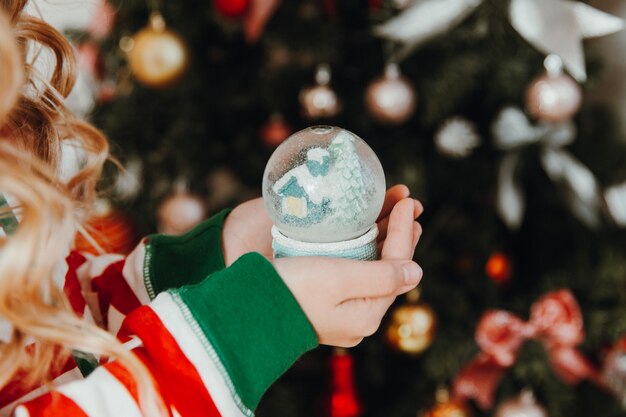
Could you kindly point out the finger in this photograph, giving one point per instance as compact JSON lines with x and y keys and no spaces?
{"x":417,"y":233}
{"x":382,"y":229}
{"x":399,"y":240}
{"x":359,"y":279}
{"x":383,"y":223}
{"x":392,"y":196}
{"x":418,"y":209}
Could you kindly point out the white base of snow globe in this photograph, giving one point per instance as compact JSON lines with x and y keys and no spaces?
{"x":362,"y":248}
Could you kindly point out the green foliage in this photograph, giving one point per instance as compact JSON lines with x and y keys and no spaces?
{"x":212,"y":119}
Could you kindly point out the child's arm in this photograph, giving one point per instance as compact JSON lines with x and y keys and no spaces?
{"x":112,"y":286}
{"x":213,"y":348}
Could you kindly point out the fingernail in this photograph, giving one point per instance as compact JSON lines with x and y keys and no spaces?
{"x":412,"y":273}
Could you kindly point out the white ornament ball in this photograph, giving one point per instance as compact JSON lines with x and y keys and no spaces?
{"x":391,"y":99}
{"x":524,"y":405}
{"x":320,"y":101}
{"x":180,"y":212}
{"x":323,"y":184}
{"x":457,"y":138}
{"x":553,"y":98}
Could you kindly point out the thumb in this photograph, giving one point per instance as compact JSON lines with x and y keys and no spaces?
{"x":371,"y":279}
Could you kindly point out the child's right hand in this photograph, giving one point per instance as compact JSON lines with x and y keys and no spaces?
{"x":345,"y":300}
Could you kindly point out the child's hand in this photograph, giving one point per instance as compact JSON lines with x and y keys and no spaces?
{"x":248,"y":227}
{"x":345,"y":300}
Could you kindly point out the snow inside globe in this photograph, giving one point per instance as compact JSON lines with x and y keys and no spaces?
{"x":324,"y":188}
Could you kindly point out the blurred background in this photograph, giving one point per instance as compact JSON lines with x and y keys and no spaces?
{"x":506,"y":119}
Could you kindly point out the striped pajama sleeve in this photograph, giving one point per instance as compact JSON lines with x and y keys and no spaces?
{"x":213,"y":349}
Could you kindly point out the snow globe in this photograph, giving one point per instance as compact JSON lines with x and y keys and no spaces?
{"x":324,"y":188}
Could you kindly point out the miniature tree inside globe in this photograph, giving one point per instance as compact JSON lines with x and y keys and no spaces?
{"x":324,"y":188}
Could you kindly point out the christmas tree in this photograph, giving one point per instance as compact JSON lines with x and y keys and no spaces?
{"x":519,"y":173}
{"x":347,"y":169}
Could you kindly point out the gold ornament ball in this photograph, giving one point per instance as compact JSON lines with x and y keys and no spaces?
{"x":553,"y":98}
{"x":448,"y":409}
{"x":180,"y":212}
{"x":412,"y":328}
{"x":156,"y":55}
{"x":391,"y":98}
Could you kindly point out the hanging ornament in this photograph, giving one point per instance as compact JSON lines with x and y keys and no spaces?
{"x":128,"y":180}
{"x":523,"y":405}
{"x":390,"y":99}
{"x":445,"y":407}
{"x":412,"y":327}
{"x":457,"y":138}
{"x":232,"y":8}
{"x":275,"y":131}
{"x":180,"y":212}
{"x":559,"y":27}
{"x":498,"y":268}
{"x":320,"y":101}
{"x":106,"y":231}
{"x":553,"y":97}
{"x":344,"y":401}
{"x":157,"y":56}
{"x":614,"y":370}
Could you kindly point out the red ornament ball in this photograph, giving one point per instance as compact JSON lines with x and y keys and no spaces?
{"x":109,"y":229}
{"x":275,"y":131}
{"x":498,"y":268}
{"x":180,"y":212}
{"x":232,"y":8}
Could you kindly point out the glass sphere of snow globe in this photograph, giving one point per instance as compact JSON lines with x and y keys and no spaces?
{"x":323,"y":184}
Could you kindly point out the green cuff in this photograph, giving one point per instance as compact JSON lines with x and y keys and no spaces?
{"x":253,"y":322}
{"x":173,"y":261}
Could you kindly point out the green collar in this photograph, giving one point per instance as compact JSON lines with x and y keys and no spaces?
{"x":8,"y":222}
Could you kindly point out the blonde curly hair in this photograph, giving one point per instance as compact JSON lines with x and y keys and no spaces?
{"x":34,"y":123}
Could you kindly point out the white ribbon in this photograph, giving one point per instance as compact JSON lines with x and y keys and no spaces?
{"x":559,"y":26}
{"x":424,"y":20}
{"x":551,"y":26}
{"x":511,"y":132}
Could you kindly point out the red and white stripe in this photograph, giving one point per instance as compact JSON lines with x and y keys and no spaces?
{"x":93,"y":285}
{"x":190,"y":377}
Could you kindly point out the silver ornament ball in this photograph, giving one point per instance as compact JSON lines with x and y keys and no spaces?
{"x":553,"y":98}
{"x":391,"y":99}
{"x":320,"y":101}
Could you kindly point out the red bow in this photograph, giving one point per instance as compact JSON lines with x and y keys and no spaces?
{"x":555,"y":321}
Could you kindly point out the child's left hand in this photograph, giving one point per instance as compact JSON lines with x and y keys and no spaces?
{"x":248,"y":227}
